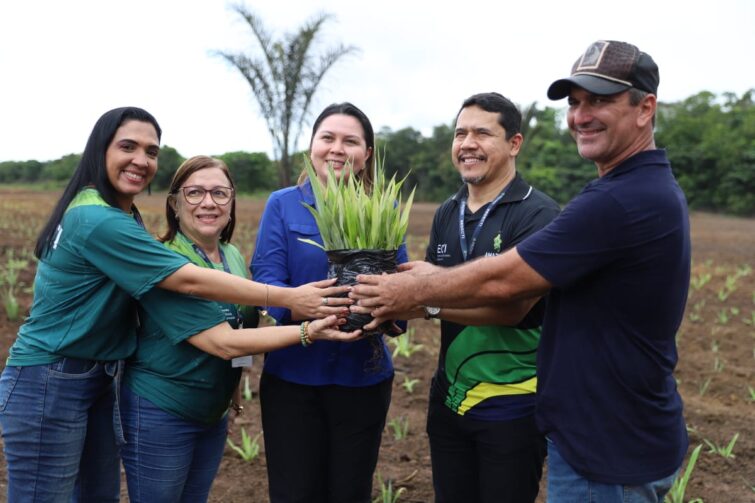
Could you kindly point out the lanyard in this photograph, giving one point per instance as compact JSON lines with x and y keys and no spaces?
{"x":204,"y":256}
{"x":463,"y":235}
{"x":231,"y":311}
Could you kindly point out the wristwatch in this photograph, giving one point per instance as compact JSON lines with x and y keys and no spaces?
{"x":431,"y":312}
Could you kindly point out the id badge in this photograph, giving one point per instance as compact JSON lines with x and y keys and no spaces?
{"x":242,"y":361}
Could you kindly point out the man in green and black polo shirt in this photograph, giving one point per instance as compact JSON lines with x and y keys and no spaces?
{"x":484,"y":443}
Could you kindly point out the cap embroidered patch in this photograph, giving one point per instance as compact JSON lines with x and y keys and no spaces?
{"x":590,"y":60}
{"x":609,"y":67}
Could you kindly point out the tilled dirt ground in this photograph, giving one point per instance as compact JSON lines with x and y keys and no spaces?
{"x":715,"y":372}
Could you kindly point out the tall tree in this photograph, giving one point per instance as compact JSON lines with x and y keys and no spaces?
{"x":284,"y":78}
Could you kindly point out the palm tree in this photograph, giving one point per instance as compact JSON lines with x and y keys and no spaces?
{"x":284,"y":79}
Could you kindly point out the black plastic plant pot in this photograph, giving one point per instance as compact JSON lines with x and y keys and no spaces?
{"x":345,"y":265}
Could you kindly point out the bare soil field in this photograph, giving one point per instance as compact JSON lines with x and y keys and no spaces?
{"x":715,"y":372}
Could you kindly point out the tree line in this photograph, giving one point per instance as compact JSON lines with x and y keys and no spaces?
{"x":710,"y":141}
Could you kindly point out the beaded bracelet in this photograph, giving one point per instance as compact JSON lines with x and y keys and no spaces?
{"x":304,"y":335}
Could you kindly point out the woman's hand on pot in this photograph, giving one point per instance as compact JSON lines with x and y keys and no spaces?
{"x":327,"y":329}
{"x":318,"y":300}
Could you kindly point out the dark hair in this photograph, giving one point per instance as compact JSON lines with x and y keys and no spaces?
{"x":92,"y":169}
{"x":346,"y":108}
{"x":636,"y":96}
{"x":184,"y":171}
{"x":509,"y":116}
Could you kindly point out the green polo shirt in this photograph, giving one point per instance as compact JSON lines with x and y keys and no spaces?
{"x":83,"y":305}
{"x":170,"y":372}
{"x":488,"y":372}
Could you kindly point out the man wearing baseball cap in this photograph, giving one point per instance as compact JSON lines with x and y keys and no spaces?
{"x":615,"y":265}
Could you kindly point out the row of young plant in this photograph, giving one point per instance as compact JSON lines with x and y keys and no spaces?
{"x":718,"y":283}
{"x":390,"y":491}
{"x":249,"y":448}
{"x":10,"y":284}
{"x":678,"y":490}
{"x":701,"y":278}
{"x":724,"y":282}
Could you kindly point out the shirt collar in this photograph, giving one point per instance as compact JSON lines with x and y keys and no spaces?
{"x":638,"y":160}
{"x":518,"y":190}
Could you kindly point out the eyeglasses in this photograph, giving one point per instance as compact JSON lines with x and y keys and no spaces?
{"x":194,"y":194}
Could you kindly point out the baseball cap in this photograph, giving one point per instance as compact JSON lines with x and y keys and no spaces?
{"x":609,"y":67}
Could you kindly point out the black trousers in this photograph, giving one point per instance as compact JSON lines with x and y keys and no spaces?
{"x":322,"y":442}
{"x":483,"y":461}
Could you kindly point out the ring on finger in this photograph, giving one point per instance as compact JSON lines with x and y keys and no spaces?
{"x":324,"y":301}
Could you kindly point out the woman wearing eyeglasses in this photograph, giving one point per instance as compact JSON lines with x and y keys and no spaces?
{"x":179,"y":383}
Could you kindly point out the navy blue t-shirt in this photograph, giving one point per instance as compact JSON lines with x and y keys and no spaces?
{"x":618,"y":257}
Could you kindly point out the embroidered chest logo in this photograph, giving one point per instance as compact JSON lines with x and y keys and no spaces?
{"x":497,"y":243}
{"x":441,"y":252}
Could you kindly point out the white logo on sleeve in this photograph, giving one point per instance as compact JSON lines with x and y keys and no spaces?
{"x":58,"y":232}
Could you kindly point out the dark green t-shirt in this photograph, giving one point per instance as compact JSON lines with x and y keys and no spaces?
{"x":170,"y":372}
{"x":83,"y":306}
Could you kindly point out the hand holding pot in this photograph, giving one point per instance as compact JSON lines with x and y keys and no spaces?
{"x":390,"y":295}
{"x":318,"y":300}
{"x":327,"y":329}
{"x":377,"y":322}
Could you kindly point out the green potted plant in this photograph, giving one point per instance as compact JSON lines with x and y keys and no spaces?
{"x":361,"y":229}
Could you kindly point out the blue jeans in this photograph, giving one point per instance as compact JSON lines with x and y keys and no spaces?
{"x":58,"y":435}
{"x":567,"y":486}
{"x":167,"y":458}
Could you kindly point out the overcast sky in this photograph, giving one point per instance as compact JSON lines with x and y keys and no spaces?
{"x":64,"y":63}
